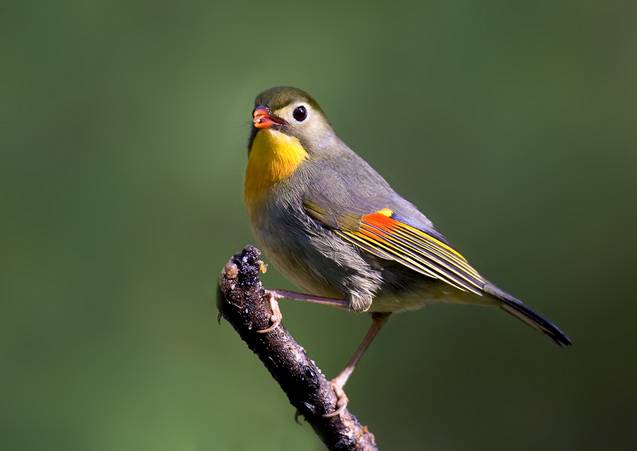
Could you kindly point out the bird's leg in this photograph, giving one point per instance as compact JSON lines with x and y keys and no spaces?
{"x":378,"y":320}
{"x":276,"y":317}
{"x":275,"y":295}
{"x":303,"y":297}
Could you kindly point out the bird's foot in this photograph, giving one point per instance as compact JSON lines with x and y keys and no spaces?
{"x":341,"y":398}
{"x":277,"y":316}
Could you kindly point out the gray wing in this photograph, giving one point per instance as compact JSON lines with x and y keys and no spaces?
{"x":342,"y":192}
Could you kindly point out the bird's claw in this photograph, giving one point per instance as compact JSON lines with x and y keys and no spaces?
{"x":276,"y":317}
{"x":341,"y":399}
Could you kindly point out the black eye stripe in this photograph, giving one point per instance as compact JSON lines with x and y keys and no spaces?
{"x":299,"y":113}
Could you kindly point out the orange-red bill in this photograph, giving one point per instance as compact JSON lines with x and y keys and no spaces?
{"x":262,"y":118}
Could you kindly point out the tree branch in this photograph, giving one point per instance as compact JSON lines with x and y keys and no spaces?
{"x":243,"y":302}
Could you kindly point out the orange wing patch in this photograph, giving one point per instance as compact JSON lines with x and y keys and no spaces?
{"x":385,"y":236}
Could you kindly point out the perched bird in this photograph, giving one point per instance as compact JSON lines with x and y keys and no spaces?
{"x":334,"y":227}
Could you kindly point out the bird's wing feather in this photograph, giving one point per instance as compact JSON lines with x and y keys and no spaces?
{"x":386,"y":235}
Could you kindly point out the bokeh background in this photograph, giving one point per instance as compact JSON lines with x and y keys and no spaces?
{"x":124,"y":126}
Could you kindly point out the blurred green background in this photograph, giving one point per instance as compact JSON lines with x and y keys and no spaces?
{"x":124,"y":129}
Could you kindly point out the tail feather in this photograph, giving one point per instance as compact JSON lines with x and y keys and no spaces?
{"x":525,"y":314}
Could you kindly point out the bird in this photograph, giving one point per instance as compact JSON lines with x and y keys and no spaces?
{"x":333,"y":226}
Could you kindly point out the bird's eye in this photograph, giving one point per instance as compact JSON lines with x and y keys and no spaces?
{"x":299,"y":113}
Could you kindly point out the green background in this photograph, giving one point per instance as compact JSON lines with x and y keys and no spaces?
{"x":123,"y":142}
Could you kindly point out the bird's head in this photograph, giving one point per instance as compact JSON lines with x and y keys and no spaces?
{"x":289,"y":131}
{"x":292,"y":112}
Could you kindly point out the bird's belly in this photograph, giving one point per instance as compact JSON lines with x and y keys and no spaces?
{"x":420,"y":291}
{"x":410,"y":295}
{"x":314,"y":258}
{"x":299,"y":269}
{"x":394,"y":304}
{"x":299,"y":259}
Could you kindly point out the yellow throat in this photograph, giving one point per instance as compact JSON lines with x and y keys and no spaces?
{"x":273,"y":157}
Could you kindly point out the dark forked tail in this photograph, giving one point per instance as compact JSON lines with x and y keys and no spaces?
{"x":517,"y":308}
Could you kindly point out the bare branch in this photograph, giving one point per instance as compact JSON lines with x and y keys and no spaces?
{"x":243,"y":302}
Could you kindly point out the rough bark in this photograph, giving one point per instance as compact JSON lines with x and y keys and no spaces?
{"x":242,"y":301}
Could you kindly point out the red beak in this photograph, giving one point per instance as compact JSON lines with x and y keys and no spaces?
{"x":263,"y":118}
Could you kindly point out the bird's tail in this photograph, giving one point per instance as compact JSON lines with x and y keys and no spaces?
{"x":517,"y":309}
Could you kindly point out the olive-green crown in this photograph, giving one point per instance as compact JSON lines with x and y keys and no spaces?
{"x":281,"y":96}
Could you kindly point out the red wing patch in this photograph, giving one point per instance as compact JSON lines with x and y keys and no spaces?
{"x":383,"y":235}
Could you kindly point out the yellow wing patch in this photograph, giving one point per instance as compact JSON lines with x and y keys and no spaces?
{"x":387,"y":237}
